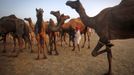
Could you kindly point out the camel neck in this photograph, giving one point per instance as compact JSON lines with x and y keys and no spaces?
{"x":84,"y":17}
{"x":31,"y":25}
{"x":60,"y":23}
{"x":58,"y":18}
{"x":39,"y":20}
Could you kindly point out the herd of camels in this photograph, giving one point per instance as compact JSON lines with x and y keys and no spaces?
{"x":110,"y":24}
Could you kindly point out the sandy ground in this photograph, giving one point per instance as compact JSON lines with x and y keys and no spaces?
{"x":69,"y":62}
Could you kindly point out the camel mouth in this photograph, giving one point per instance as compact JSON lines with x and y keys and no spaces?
{"x":68,"y":3}
{"x":51,"y":12}
{"x":25,"y":18}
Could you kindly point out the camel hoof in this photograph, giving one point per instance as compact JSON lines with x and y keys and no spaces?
{"x":13,"y":51}
{"x":49,"y":53}
{"x":88,"y":47}
{"x":94,"y":54}
{"x":73,"y":49}
{"x":15,"y":55}
{"x":21,"y":50}
{"x":56,"y":54}
{"x":32,"y":51}
{"x":108,"y":73}
{"x":82,"y":46}
{"x":44,"y":57}
{"x":4,"y":51}
{"x":37,"y":58}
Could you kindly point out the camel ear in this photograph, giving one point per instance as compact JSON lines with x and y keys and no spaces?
{"x":58,"y":11}
{"x":62,"y":14}
{"x":36,"y":9}
{"x":42,"y":10}
{"x":78,"y":0}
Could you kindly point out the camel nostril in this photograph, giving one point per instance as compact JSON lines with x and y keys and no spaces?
{"x":67,"y":3}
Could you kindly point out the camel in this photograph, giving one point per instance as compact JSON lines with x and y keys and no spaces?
{"x":17,"y":28}
{"x":31,"y":29}
{"x":55,"y":28}
{"x":40,"y":32}
{"x":83,"y":29}
{"x":67,"y":29}
{"x":4,"y":29}
{"x":70,"y":28}
{"x":110,"y":24}
{"x":57,"y":15}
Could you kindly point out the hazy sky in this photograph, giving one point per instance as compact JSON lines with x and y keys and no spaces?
{"x":26,"y":8}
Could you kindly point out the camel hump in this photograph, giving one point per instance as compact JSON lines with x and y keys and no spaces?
{"x":124,"y":12}
{"x":12,"y":16}
{"x":127,"y":3}
{"x":8,"y":17}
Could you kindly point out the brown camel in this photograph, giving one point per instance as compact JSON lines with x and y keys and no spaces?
{"x":4,"y":29}
{"x":83,"y":29}
{"x":17,"y":27}
{"x":57,"y":15}
{"x":31,"y":30}
{"x":55,"y":28}
{"x":40,"y":32}
{"x":111,"y":23}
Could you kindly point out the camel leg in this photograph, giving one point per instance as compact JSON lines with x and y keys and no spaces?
{"x":38,"y":56}
{"x":44,"y":55}
{"x":88,"y":36}
{"x":46,"y":46}
{"x":97,"y":48}
{"x":73,"y":46}
{"x":14,"y":39}
{"x":69,"y":40}
{"x":65,"y":39}
{"x":109,"y":57}
{"x":38,"y":43}
{"x":78,"y":47}
{"x":56,"y":52}
{"x":61,"y":40}
{"x":30,"y":43}
{"x":96,"y":52}
{"x":20,"y":41}
{"x":4,"y":43}
{"x":44,"y":42}
{"x":50,"y":45}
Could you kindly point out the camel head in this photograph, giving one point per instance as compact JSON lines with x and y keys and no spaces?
{"x":28,"y":19}
{"x":51,"y":22}
{"x":39,"y":12}
{"x":64,"y":17}
{"x":74,"y":4}
{"x":55,"y":13}
{"x":12,"y":16}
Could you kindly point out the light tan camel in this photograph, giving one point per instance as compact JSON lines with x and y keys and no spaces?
{"x":40,"y":32}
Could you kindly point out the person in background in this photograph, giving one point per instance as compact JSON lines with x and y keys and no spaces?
{"x":77,"y":37}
